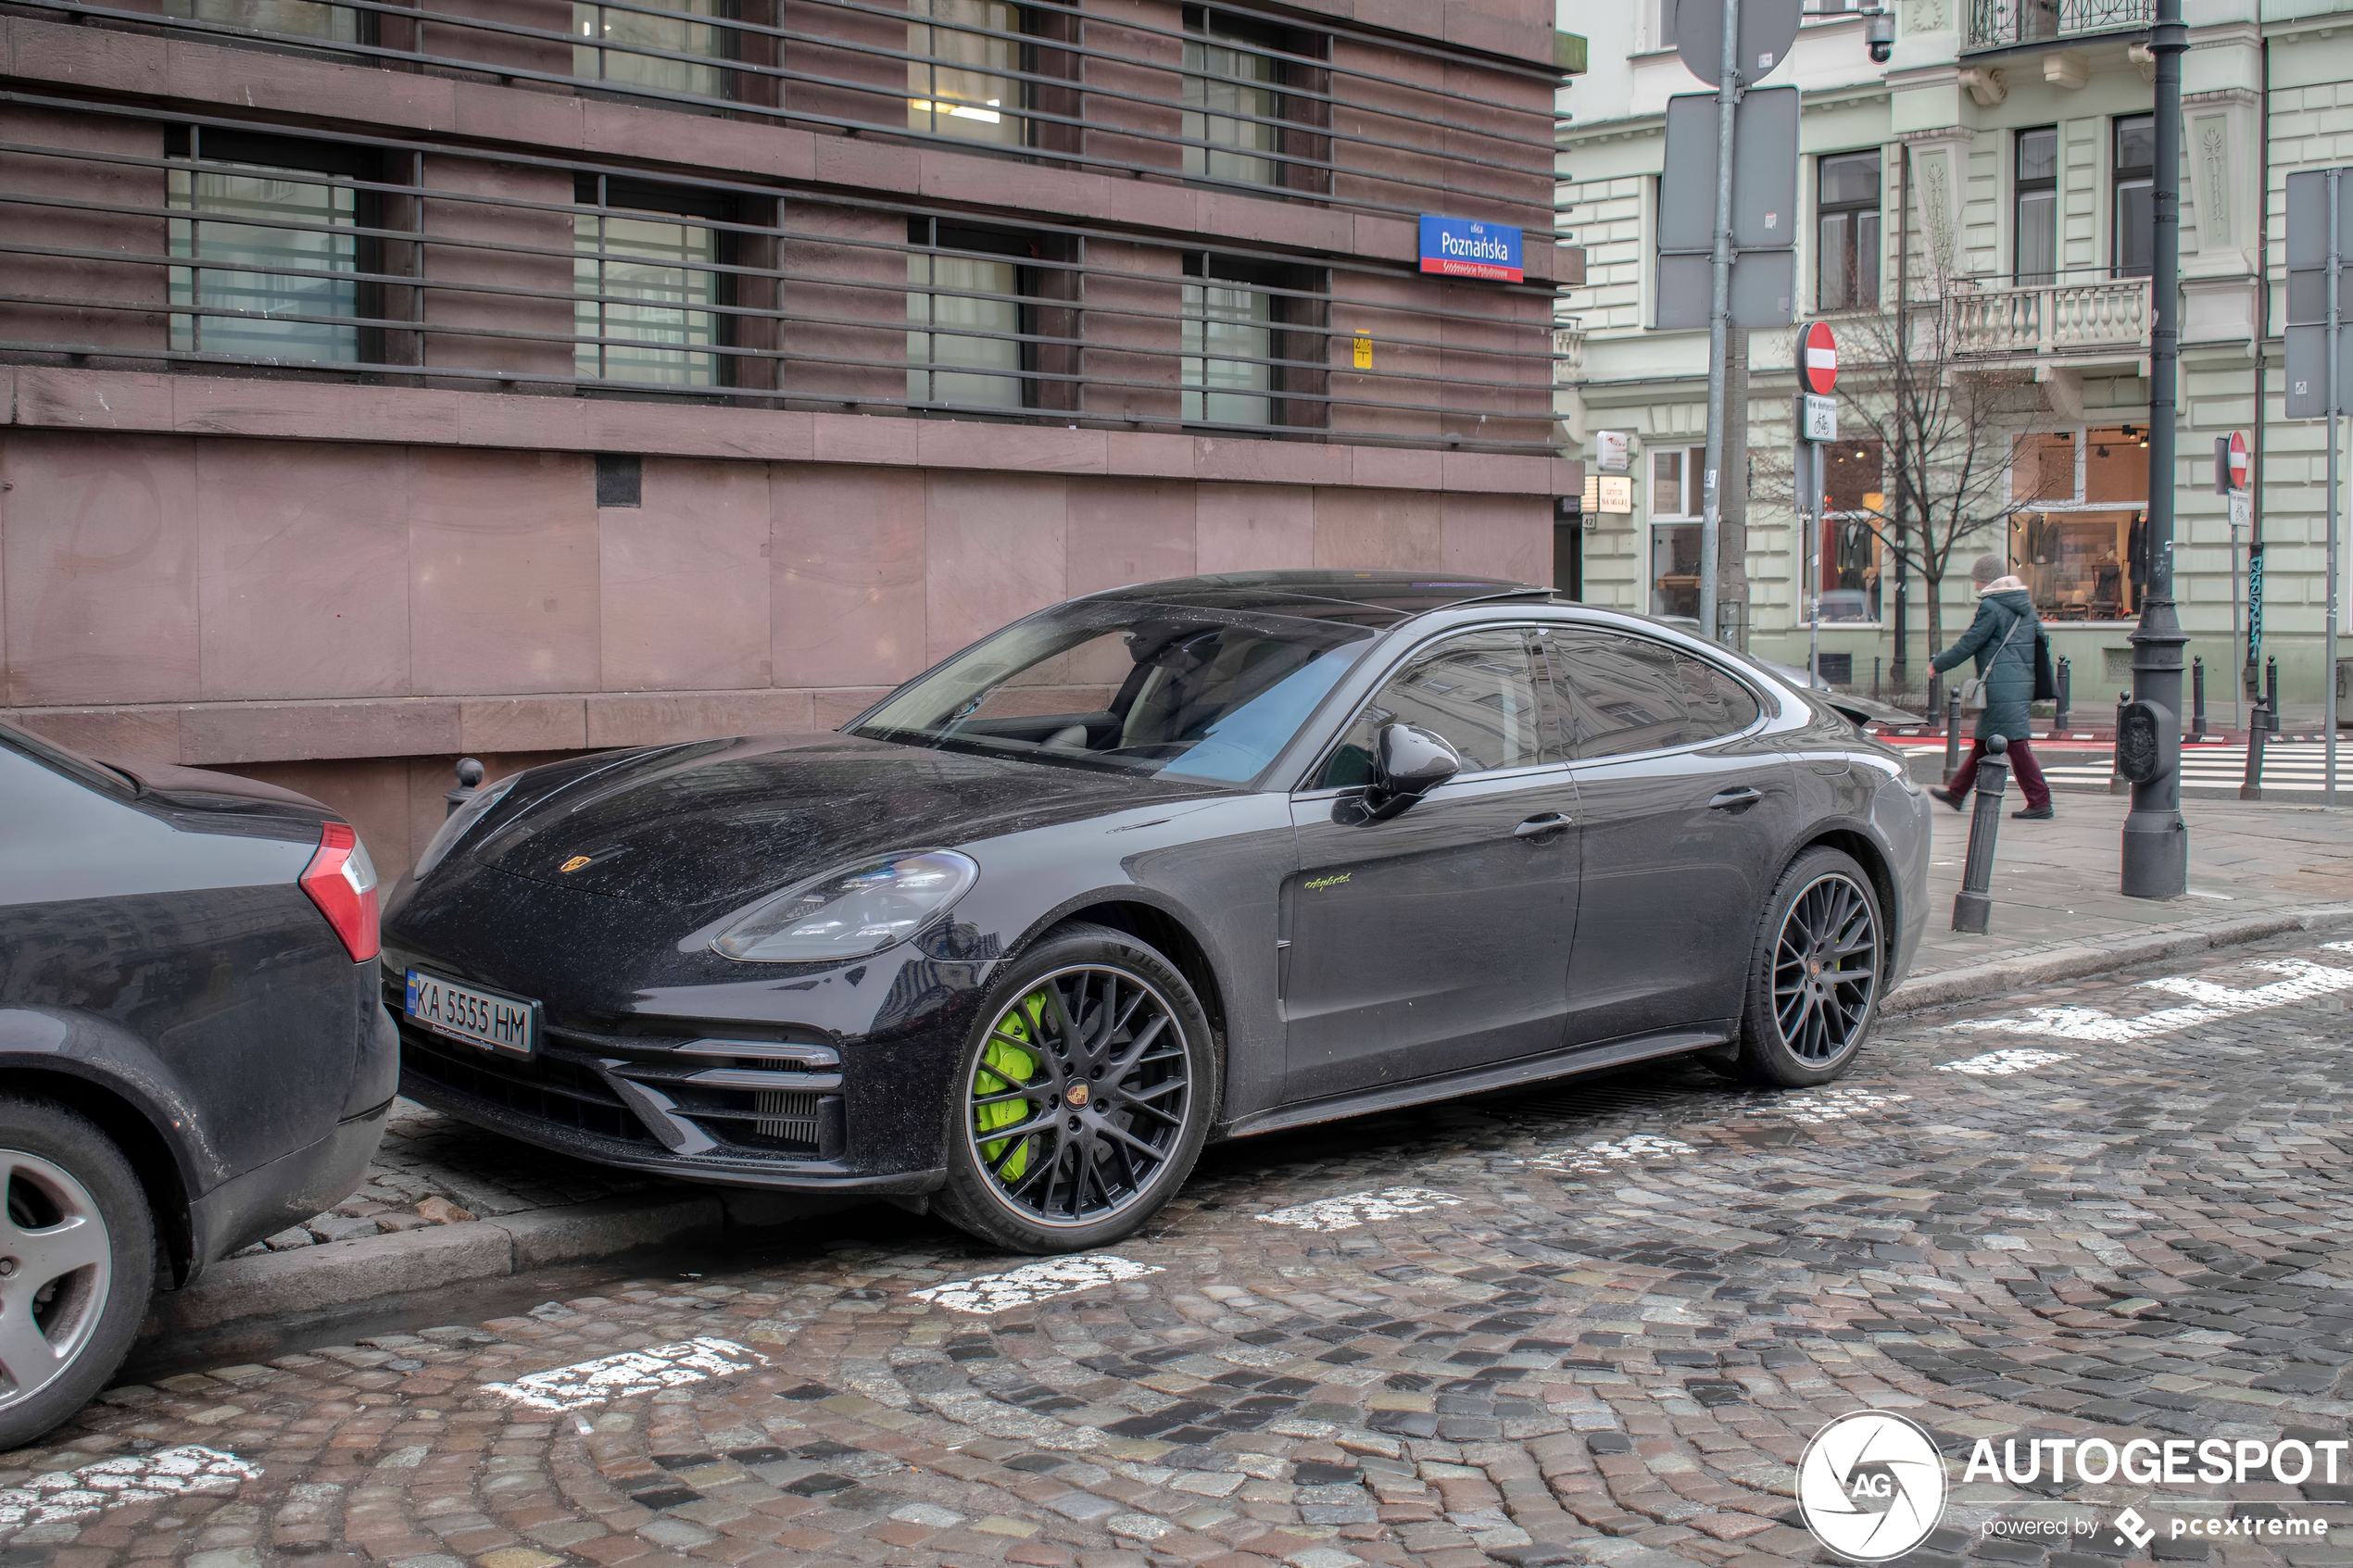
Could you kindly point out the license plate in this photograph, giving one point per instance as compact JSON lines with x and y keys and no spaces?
{"x":494,"y":1022}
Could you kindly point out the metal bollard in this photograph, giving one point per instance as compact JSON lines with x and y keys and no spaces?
{"x":2197,"y":700}
{"x":2116,"y":784}
{"x":2066,"y":686}
{"x":469,"y":781}
{"x":1952,"y":733}
{"x":1935,"y":697}
{"x":2260,"y":721}
{"x":2271,"y":688}
{"x":1874,"y":677}
{"x":1973,"y":905}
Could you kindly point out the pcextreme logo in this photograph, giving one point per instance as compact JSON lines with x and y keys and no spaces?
{"x":1871,"y":1486}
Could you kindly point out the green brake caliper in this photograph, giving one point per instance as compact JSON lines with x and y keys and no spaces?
{"x":1004,"y":1066}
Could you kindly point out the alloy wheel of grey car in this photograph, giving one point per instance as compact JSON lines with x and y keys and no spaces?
{"x":76,"y":1261}
{"x":1815,"y":983}
{"x":1084,"y":1100}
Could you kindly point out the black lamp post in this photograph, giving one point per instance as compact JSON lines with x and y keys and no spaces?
{"x":2156,"y":843}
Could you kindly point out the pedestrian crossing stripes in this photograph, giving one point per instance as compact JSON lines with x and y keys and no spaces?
{"x":2289,"y":768}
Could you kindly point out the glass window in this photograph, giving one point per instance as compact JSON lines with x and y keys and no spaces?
{"x":2083,"y":566}
{"x":635,"y":48}
{"x":301,"y":19}
{"x":1630,"y":694}
{"x":1129,"y":685}
{"x":1674,"y":569}
{"x":961,"y":81}
{"x":278,"y":249}
{"x":2135,"y":195}
{"x":965,"y":317}
{"x":1228,"y":341}
{"x":1850,"y":558}
{"x":1478,"y":691}
{"x":644,"y":282}
{"x":2116,"y":465}
{"x":1674,"y":480}
{"x":2043,"y":466}
{"x":1230,"y":99}
{"x":1847,"y":231}
{"x":2034,"y":230}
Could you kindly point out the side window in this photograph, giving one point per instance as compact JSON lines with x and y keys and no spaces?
{"x":1630,"y":694}
{"x":1479,"y":691}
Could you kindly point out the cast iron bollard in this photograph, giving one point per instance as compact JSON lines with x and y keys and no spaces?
{"x":1935,"y":697}
{"x":1952,"y":733}
{"x":2066,"y":694}
{"x":469,"y":781}
{"x":2260,"y":721}
{"x":1973,"y":905}
{"x":2271,"y":686}
{"x":2116,"y":784}
{"x":2197,"y":700}
{"x":1874,"y":677}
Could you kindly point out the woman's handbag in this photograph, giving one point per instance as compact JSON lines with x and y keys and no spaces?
{"x":1973,"y":689}
{"x":2045,"y":679}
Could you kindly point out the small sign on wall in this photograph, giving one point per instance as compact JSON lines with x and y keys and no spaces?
{"x":1614,"y":450}
{"x":1363,"y":351}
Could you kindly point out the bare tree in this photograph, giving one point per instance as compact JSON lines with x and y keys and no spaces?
{"x":1944,"y":447}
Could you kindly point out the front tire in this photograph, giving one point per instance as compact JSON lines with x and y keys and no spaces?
{"x":79,"y":1248}
{"x":1082,"y":1099}
{"x":1814,"y":982}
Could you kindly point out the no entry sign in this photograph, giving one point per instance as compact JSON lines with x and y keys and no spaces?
{"x":1816,"y":359}
{"x":2238,"y":459}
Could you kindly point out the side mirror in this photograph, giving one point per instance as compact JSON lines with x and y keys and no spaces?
{"x":1408,"y":762}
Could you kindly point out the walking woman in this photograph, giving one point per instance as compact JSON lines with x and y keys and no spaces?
{"x":2007,"y":642}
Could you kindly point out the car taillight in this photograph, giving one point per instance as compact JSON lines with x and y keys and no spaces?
{"x":342,"y":880}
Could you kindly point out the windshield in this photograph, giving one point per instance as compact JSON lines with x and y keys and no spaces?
{"x":1204,"y":693}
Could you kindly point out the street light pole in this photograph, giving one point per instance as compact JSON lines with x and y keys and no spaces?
{"x":2156,"y":843}
{"x":1719,"y":318}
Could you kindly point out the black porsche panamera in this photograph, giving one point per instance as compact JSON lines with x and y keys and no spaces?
{"x":1195,"y":859}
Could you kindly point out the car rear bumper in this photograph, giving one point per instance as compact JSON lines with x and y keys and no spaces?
{"x":285,"y":1191}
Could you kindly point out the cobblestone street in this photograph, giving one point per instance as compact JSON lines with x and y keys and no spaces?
{"x":1594,"y":1324}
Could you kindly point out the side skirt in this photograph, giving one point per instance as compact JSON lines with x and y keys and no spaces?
{"x":1569,"y":1062}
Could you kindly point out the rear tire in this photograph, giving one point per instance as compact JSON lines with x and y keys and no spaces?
{"x":79,"y":1247}
{"x":1082,"y":1097}
{"x":1814,"y":982}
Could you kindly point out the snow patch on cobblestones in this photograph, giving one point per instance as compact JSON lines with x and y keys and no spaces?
{"x":1034,"y":1282}
{"x":64,"y":1494}
{"x":1830,"y":1105}
{"x":2002,"y":1063}
{"x":1594,"y":1157}
{"x":1360,"y":1208}
{"x":631,"y":1372}
{"x":2305,"y":980}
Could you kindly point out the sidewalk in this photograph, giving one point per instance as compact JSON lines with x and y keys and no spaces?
{"x":444,"y":1204}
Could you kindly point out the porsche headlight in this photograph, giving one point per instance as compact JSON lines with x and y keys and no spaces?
{"x":851,"y":913}
{"x":460,"y":821}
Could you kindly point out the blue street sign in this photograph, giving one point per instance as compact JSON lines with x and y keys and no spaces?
{"x":1464,"y":248}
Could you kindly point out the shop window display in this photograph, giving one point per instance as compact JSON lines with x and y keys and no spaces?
{"x":2080,"y":535}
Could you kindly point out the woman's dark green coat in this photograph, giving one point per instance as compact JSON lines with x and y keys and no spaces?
{"x":2008,"y":670}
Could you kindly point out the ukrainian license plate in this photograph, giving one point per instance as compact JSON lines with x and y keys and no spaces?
{"x":494,"y":1022}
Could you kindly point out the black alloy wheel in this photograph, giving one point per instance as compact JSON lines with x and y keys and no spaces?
{"x":1814,"y":985}
{"x":1085,"y":1100}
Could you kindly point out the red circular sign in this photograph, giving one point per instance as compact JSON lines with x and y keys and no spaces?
{"x":1816,"y":359}
{"x":2238,"y":459}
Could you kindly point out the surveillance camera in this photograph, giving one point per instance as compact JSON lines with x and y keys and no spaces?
{"x":1880,"y":33}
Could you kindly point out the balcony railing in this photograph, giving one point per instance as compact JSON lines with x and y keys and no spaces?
{"x":2017,"y":321}
{"x":2002,"y":24}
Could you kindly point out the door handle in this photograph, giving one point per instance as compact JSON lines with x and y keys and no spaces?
{"x":1733,"y":799}
{"x":1536,"y":827}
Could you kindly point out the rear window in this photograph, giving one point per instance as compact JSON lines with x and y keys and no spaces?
{"x":73,"y":764}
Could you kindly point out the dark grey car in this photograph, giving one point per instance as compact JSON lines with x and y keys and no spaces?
{"x":1191,"y":858}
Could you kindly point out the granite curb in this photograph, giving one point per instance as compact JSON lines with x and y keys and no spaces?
{"x":339,"y":1273}
{"x":2078,"y":960}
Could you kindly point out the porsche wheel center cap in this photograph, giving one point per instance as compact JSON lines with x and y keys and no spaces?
{"x":1077,"y":1095}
